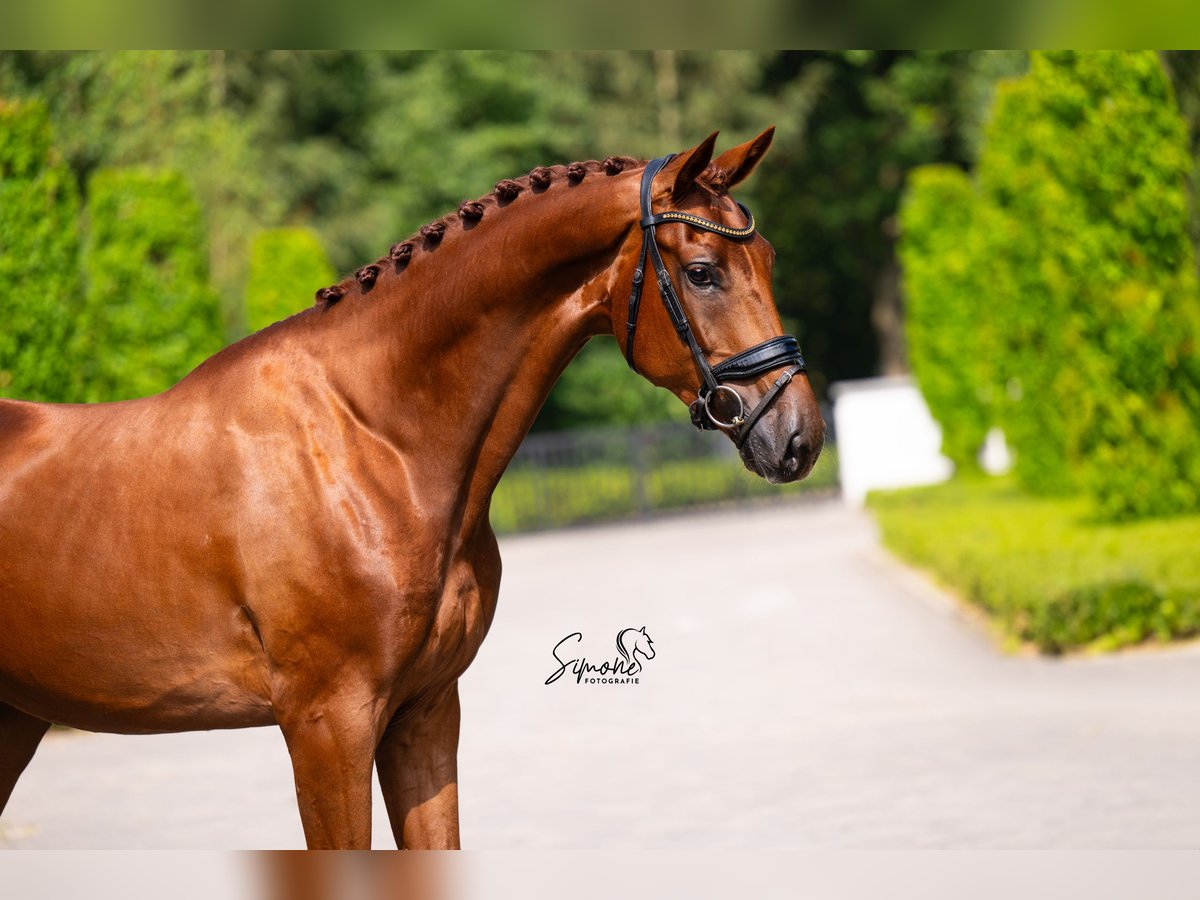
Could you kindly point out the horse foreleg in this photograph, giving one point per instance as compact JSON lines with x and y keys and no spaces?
{"x":331,"y":746}
{"x":20,"y":735}
{"x":417,"y":761}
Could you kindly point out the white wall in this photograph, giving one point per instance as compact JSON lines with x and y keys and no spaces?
{"x":886,"y":437}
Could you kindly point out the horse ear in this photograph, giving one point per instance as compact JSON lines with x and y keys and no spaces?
{"x":687,"y":166}
{"x":643,"y":629}
{"x":738,"y":162}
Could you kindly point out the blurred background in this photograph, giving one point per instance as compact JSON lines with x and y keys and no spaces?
{"x":990,"y":259}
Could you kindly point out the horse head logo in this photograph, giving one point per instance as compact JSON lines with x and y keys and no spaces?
{"x":632,"y":641}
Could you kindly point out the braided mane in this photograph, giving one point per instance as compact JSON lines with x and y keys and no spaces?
{"x":470,"y":212}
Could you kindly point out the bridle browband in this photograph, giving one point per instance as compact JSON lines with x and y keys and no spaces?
{"x":770,"y":354}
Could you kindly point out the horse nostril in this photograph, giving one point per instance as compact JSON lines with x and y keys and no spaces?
{"x":799,"y":456}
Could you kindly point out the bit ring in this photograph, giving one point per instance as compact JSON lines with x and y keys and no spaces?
{"x":737,"y":419}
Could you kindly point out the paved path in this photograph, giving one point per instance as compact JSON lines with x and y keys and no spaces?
{"x":806,"y":692}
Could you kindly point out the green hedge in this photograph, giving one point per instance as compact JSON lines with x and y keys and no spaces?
{"x":1087,"y":157}
{"x":1075,"y":249}
{"x":1047,"y":572}
{"x":287,"y":266}
{"x":152,"y":316}
{"x":39,"y":259}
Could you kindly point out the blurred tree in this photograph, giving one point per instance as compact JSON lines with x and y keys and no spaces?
{"x":831,"y":187}
{"x":599,"y":388}
{"x":448,"y":126}
{"x":651,"y":102}
{"x":365,"y":147}
{"x":39,"y":258}
{"x":205,"y":113}
{"x":151,"y":315}
{"x":287,"y":265}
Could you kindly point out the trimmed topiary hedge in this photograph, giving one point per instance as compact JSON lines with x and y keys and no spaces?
{"x":1044,"y":570}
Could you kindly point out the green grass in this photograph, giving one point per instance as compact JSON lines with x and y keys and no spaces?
{"x":550,"y":497}
{"x":1043,"y":569}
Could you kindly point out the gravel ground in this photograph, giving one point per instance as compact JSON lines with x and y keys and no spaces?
{"x":807,"y":691}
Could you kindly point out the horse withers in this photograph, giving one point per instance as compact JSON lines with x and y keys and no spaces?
{"x":297,"y":533}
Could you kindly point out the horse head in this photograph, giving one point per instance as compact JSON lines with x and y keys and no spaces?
{"x":711,"y":303}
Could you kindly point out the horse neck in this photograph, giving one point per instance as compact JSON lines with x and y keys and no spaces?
{"x":451,"y":359}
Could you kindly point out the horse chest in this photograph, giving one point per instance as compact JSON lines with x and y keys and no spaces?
{"x":443,"y":631}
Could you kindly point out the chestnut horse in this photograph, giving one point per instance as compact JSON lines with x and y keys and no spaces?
{"x":297,"y":533}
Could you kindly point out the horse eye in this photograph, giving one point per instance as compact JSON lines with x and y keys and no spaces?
{"x":699,"y":275}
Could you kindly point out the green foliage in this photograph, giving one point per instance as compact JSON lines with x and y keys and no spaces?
{"x":287,"y":265}
{"x":373,"y":145}
{"x":1044,"y":570}
{"x":1076,"y":263}
{"x":151,"y":315}
{"x":1183,"y":67}
{"x":680,"y":95}
{"x":852,"y":125}
{"x":1087,"y":164}
{"x":24,"y":140}
{"x":204,"y":113}
{"x":598,"y":388}
{"x":39,"y":258}
{"x":1107,"y":614}
{"x":1089,"y":161}
{"x":947,"y":317}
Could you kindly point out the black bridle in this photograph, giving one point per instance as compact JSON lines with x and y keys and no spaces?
{"x":770,"y":354}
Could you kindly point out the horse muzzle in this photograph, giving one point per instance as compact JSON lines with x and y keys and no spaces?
{"x":787,"y":442}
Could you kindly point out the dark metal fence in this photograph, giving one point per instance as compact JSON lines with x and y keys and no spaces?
{"x":563,"y":478}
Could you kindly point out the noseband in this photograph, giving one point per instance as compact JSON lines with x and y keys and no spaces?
{"x":771,"y":354}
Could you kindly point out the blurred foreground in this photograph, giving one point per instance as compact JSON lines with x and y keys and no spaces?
{"x":846,"y":875}
{"x":805,"y":692}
